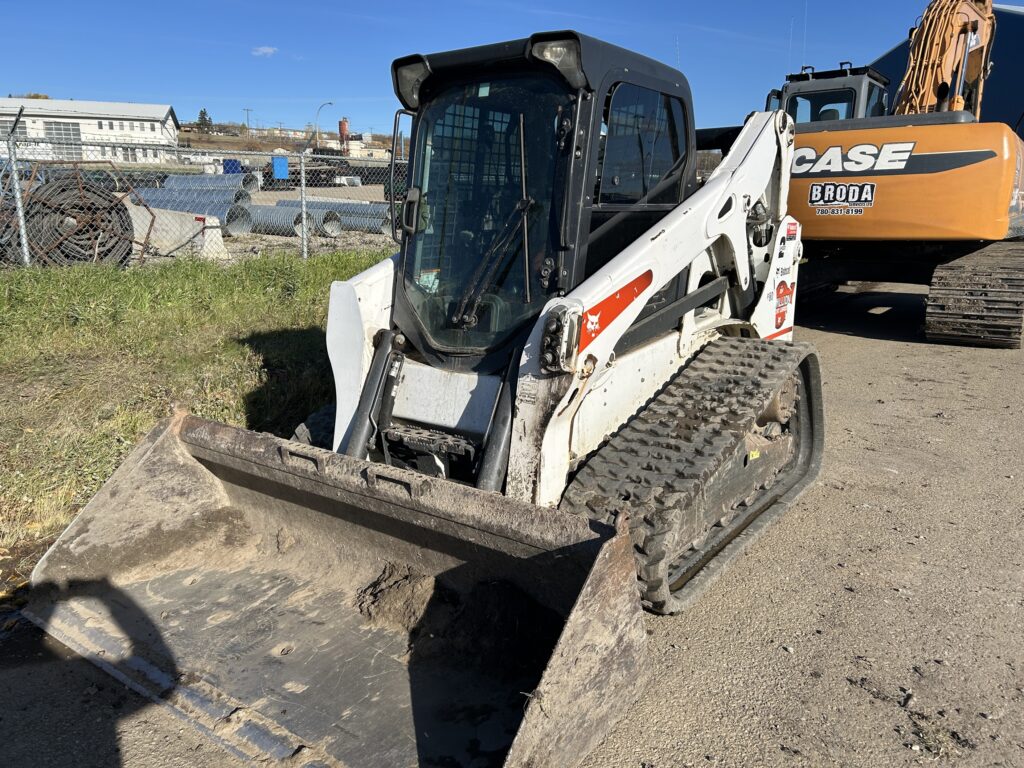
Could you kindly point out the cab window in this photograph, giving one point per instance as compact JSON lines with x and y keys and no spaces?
{"x":643,"y":143}
{"x":876,"y":102}
{"x":816,"y":107}
{"x":642,"y":159}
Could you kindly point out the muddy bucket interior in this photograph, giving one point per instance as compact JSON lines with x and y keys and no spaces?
{"x":306,"y":607}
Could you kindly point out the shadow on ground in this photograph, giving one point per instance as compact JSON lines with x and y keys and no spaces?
{"x":298,"y":379}
{"x":56,"y":708}
{"x":871,"y":310}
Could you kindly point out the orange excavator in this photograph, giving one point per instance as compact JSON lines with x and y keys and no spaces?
{"x":920,"y":191}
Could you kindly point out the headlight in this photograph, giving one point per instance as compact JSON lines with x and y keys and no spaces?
{"x":565,"y":56}
{"x":408,"y":78}
{"x":560,"y":342}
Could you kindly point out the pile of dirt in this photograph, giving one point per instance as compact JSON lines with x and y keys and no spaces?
{"x":397,"y":599}
{"x":16,"y":563}
{"x":496,"y":626}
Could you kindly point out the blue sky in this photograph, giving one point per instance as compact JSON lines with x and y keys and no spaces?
{"x":282,"y":59}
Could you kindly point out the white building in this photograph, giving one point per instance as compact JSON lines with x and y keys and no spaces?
{"x":68,"y":129}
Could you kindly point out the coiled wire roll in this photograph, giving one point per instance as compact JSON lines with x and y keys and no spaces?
{"x":71,"y":221}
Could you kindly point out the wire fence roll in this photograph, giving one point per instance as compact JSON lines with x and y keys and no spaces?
{"x":213,"y":201}
{"x":8,"y":233}
{"x":247,"y":181}
{"x":72,"y":221}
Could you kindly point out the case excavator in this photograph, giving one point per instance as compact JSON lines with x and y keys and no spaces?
{"x":572,"y":394}
{"x":919,"y":191}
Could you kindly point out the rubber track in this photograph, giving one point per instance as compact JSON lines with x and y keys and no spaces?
{"x":657,"y":464}
{"x":979,"y":299}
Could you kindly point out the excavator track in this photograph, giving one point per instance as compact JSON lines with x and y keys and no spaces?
{"x":978,"y":300}
{"x":706,"y":465}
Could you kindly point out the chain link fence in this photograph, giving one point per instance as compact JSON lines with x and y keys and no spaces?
{"x":121,"y":203}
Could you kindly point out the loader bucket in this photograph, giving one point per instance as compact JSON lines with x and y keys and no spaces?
{"x":310,"y":608}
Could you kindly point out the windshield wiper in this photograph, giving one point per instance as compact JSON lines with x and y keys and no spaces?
{"x":526,"y":229}
{"x":466,"y":313}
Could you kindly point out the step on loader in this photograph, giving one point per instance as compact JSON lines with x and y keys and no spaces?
{"x":577,"y":371}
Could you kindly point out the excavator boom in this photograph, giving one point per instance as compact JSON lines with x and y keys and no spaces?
{"x":950,"y":52}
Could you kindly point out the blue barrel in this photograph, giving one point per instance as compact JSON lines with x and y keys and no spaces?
{"x":232,"y":166}
{"x":280,"y":165}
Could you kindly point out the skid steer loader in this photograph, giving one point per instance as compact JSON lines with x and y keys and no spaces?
{"x":576,"y":371}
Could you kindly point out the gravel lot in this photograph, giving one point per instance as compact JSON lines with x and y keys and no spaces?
{"x":881,"y":622}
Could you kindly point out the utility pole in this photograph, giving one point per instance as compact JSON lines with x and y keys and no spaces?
{"x":248,"y":127}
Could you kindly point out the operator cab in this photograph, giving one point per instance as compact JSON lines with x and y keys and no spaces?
{"x":533,"y":163}
{"x":847,"y":93}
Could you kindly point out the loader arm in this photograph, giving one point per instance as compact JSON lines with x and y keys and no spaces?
{"x":712,"y":226}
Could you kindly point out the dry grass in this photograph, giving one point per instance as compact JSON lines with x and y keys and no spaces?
{"x":91,"y":357}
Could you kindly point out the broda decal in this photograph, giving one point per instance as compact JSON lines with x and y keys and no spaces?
{"x":841,"y":199}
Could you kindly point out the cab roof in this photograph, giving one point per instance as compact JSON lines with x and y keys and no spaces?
{"x":827,"y":74}
{"x":598,"y":58}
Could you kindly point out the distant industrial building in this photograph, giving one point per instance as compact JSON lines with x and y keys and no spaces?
{"x":67,"y":129}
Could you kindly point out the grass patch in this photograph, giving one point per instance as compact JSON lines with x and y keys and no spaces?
{"x":91,"y":357}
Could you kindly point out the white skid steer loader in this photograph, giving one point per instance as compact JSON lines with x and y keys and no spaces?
{"x":577,"y":371}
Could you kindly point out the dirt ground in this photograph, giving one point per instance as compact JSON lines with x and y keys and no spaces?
{"x":881,"y":622}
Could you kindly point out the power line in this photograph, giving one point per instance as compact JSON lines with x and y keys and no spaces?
{"x":789,"y":55}
{"x":803,"y":55}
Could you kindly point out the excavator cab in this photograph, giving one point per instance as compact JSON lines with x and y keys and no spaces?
{"x":846,"y":93}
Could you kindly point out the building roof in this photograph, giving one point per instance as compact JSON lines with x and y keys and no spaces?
{"x":88,"y":109}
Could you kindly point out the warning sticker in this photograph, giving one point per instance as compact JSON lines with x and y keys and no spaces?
{"x":783,"y":300}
